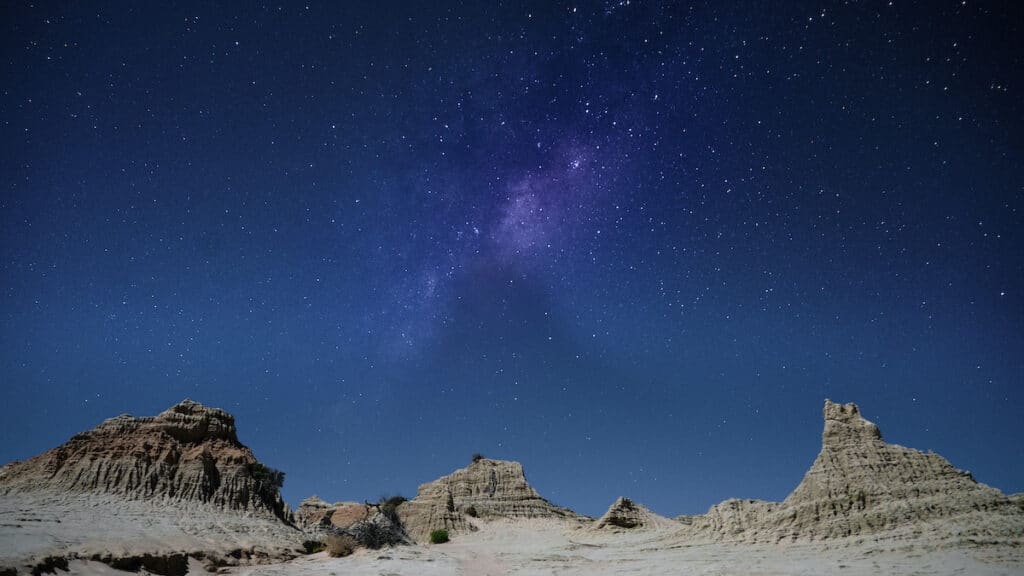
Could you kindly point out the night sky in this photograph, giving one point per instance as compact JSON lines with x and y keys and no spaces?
{"x":633,"y":246}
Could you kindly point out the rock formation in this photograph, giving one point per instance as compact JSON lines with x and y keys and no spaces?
{"x":315,"y":516}
{"x":860,"y":485}
{"x":146,"y":493}
{"x":188,"y":453}
{"x":625,"y":514}
{"x":371,"y":525}
{"x":484,"y":489}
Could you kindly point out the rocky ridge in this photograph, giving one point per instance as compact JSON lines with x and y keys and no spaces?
{"x":188,"y":453}
{"x":485,"y":489}
{"x":859,"y":485}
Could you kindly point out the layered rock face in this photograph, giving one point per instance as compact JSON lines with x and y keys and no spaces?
{"x":485,"y":489}
{"x":189,"y":453}
{"x":625,"y":514}
{"x":860,"y":485}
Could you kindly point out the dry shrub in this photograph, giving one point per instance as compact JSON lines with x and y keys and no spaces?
{"x":339,"y":545}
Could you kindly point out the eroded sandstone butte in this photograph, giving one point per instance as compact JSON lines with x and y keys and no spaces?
{"x":188,"y":453}
{"x":485,"y":489}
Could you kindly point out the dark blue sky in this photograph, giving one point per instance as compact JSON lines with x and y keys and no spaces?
{"x":631,"y":245}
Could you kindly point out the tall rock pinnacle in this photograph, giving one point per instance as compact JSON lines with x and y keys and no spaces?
{"x":860,"y":485}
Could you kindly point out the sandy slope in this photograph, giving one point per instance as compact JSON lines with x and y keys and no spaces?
{"x":46,"y":523}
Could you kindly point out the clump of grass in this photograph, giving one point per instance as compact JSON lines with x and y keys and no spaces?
{"x":438,"y":536}
{"x":340,"y":545}
{"x":478,"y":457}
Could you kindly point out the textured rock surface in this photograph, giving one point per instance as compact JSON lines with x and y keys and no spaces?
{"x":188,"y":453}
{"x":486,"y":489}
{"x":625,"y":514}
{"x":315,"y":516}
{"x":733,"y":519}
{"x":859,"y":485}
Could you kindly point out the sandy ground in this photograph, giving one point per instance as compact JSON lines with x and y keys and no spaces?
{"x":37,"y":525}
{"x":545,"y":547}
{"x":523,"y":547}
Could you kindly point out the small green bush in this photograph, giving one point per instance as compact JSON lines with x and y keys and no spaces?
{"x":340,"y":545}
{"x":478,"y":457}
{"x":438,"y":536}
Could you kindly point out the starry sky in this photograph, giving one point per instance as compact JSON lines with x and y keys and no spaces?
{"x":632,"y":245}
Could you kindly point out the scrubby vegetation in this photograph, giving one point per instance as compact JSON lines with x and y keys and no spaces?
{"x":340,"y":545}
{"x":389,"y":504}
{"x":314,"y":546}
{"x":478,"y":457}
{"x":372,"y":535}
{"x":471,"y":511}
{"x":266,"y":475}
{"x":438,"y":536}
